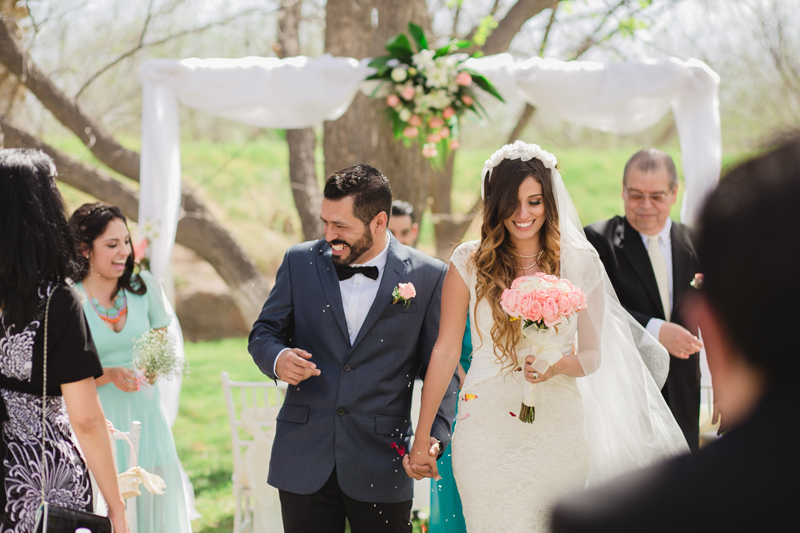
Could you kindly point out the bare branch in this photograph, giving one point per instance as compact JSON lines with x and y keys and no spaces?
{"x":146,"y":22}
{"x":104,"y":147}
{"x":517,"y":16}
{"x":553,"y":11}
{"x":142,"y":45}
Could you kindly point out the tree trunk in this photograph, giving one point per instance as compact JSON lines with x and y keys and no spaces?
{"x":360,"y":29}
{"x":302,"y":142}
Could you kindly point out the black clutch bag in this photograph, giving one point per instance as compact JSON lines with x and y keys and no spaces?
{"x":56,"y":519}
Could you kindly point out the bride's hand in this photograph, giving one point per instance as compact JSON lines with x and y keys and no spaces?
{"x":424,"y":463}
{"x":532,"y":375}
{"x":122,"y":378}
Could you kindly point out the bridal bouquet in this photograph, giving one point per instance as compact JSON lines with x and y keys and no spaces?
{"x":543,"y":303}
{"x":428,"y":90}
{"x":155,"y":357}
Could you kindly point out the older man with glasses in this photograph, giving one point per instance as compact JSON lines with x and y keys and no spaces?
{"x":651,"y":261}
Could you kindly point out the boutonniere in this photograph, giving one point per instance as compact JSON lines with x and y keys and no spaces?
{"x":697,"y":282}
{"x":403,"y":293}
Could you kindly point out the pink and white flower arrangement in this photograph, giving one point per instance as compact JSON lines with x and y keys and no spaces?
{"x":432,"y":87}
{"x":542,"y":300}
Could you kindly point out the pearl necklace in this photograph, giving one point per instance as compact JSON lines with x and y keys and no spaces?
{"x":537,"y":255}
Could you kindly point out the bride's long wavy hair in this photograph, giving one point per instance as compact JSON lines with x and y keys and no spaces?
{"x":494,"y":259}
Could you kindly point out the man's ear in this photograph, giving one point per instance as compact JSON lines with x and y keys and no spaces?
{"x":380,"y":223}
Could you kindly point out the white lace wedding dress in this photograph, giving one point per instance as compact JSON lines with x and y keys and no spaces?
{"x":509,"y":473}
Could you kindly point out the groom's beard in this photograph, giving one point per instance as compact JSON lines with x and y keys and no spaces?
{"x":356,"y":249}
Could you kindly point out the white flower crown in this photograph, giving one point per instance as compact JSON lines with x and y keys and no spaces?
{"x":518,"y":150}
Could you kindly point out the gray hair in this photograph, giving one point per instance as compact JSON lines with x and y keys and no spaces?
{"x":650,"y":159}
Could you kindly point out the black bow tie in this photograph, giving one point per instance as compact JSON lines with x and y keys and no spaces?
{"x":347,"y":272}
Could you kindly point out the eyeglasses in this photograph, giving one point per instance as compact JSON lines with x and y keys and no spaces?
{"x":638,"y":197}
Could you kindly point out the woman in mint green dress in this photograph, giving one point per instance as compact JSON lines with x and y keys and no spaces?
{"x":120,"y":307}
{"x":446,"y":513}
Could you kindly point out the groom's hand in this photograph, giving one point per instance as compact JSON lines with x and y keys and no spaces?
{"x":420,"y":471}
{"x":293,"y":366}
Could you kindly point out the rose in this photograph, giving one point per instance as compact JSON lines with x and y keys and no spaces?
{"x":468,"y":100}
{"x":436,"y":122}
{"x":564,"y":286}
{"x":392,"y":100}
{"x":540,"y":274}
{"x":399,"y":75}
{"x":508,"y":301}
{"x":406,"y":290}
{"x":551,"y":278}
{"x":535,"y":311}
{"x":429,"y":151}
{"x":550,"y":313}
{"x":565,"y":305}
{"x":415,"y":121}
{"x":410,"y":132}
{"x":527,"y":285}
{"x":540,"y":294}
{"x":575,"y":299}
{"x":444,"y":133}
{"x":463,"y":79}
{"x":554,"y":293}
{"x":454,"y":144}
{"x":448,"y":112}
{"x":434,"y":137}
{"x":524,"y":302}
{"x":408,"y":92}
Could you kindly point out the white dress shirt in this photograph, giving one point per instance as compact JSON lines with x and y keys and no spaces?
{"x":665,"y":243}
{"x":358,"y":292}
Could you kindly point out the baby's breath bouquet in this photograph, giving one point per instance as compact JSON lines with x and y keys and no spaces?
{"x":155,"y":357}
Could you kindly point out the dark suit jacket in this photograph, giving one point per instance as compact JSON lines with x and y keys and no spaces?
{"x":625,"y":257}
{"x":749,"y":480}
{"x":359,"y":407}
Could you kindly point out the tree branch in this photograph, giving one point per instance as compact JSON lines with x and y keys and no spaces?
{"x":517,"y":16}
{"x":104,"y":147}
{"x":197,"y":229}
{"x":142,"y":45}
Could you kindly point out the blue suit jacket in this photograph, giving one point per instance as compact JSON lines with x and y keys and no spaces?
{"x":355,"y":415}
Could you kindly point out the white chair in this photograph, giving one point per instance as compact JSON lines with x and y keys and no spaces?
{"x":252,"y":409}
{"x":133,"y":437}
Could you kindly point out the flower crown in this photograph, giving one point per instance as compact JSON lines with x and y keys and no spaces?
{"x":518,"y":150}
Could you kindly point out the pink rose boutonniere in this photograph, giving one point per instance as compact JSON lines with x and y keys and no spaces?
{"x":403,"y":293}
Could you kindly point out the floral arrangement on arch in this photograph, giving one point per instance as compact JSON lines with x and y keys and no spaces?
{"x":427,"y":91}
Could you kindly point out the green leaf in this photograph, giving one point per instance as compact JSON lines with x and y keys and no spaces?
{"x":379,"y":62}
{"x":418,"y":35}
{"x":483,"y":83}
{"x":400,"y":48}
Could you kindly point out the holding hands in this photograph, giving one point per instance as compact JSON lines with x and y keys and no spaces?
{"x":424,"y":459}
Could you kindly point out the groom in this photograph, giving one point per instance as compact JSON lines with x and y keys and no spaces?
{"x":350,"y":352}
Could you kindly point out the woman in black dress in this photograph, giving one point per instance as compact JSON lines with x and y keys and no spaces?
{"x":36,"y":257}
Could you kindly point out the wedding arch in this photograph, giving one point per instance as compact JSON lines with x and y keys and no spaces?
{"x":298,"y":92}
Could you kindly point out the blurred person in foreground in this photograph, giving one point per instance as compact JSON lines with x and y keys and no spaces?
{"x":36,"y":258}
{"x":402,"y":223}
{"x":651,"y":259}
{"x":748,"y":479}
{"x":121,"y":306}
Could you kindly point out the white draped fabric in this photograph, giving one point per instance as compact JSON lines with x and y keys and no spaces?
{"x":299,"y":92}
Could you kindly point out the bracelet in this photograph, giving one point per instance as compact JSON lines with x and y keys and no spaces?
{"x":554,"y":370}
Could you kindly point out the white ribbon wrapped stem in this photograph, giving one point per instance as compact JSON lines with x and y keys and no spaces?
{"x":545,"y":346}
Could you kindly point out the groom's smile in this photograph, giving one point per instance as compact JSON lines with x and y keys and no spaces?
{"x":351,"y":239}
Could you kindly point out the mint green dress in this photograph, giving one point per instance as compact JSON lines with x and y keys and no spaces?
{"x":165,"y":513}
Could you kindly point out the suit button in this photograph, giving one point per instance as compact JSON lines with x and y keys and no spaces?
{"x":340,"y":411}
{"x":347,"y":368}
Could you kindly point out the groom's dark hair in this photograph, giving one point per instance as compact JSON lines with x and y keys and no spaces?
{"x":749,"y":249}
{"x":368,"y":187}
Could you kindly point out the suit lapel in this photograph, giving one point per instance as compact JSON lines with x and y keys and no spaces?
{"x":330,"y":284}
{"x":392,"y":275}
{"x":630,"y":242}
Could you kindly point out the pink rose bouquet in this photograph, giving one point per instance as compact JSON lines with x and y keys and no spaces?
{"x":542,"y":302}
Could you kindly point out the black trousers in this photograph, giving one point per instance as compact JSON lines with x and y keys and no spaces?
{"x":325,"y":511}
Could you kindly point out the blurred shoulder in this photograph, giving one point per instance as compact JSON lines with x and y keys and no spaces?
{"x":308,"y":248}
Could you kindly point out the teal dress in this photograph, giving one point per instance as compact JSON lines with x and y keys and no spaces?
{"x":165,"y":513}
{"x":446,"y":513}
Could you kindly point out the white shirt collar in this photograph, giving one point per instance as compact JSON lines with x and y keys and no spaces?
{"x":663,"y":235}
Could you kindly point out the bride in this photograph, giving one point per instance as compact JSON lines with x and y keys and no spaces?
{"x":599,"y":411}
